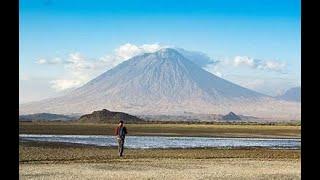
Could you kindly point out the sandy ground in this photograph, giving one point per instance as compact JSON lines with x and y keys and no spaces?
{"x":40,"y":160}
{"x":166,"y":169}
{"x":69,"y":161}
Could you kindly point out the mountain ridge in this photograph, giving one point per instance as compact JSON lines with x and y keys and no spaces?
{"x":45,"y":117}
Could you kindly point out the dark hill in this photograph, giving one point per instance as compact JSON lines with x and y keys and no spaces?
{"x":106,"y":116}
{"x":231,"y":116}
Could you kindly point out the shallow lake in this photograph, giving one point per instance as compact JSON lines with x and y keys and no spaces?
{"x":145,"y":142}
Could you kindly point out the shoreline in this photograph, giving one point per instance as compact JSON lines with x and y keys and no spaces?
{"x":71,"y":144}
{"x":180,"y":135}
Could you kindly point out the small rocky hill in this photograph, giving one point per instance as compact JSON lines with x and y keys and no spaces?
{"x":106,"y":116}
{"x":231,"y":116}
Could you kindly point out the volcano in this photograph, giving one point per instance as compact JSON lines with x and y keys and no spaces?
{"x":164,"y":82}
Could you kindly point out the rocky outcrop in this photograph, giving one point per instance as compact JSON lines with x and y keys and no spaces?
{"x":106,"y":116}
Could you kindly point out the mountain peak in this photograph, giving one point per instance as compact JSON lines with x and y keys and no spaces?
{"x":168,"y":53}
{"x":231,"y":116}
{"x":167,"y":50}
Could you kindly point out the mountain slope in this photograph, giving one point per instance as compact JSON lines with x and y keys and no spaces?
{"x":164,"y":82}
{"x":293,"y":94}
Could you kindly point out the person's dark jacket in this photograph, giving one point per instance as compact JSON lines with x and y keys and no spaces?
{"x":121,"y":134}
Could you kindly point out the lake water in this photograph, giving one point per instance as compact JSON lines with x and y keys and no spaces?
{"x":146,"y":142}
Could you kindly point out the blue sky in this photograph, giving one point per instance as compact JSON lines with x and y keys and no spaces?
{"x":266,"y":30}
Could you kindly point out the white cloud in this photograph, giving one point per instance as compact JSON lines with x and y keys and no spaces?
{"x":229,"y":69}
{"x":270,"y":85}
{"x":273,"y":65}
{"x":79,"y":69}
{"x":41,"y":61}
{"x":258,"y":64}
{"x":55,"y":61}
{"x":223,"y":66}
{"x":199,"y":58}
{"x":62,"y":84}
{"x":50,"y":62}
{"x":149,"y":48}
{"x":244,"y":60}
{"x":128,"y":50}
{"x":75,"y":57}
{"x":214,"y":69}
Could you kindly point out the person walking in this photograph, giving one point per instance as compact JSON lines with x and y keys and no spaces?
{"x":120,"y":133}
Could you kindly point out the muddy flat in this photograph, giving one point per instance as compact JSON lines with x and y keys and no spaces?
{"x":41,"y":160}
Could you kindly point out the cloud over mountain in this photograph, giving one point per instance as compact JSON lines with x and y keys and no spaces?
{"x":258,"y":64}
{"x":79,"y":69}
